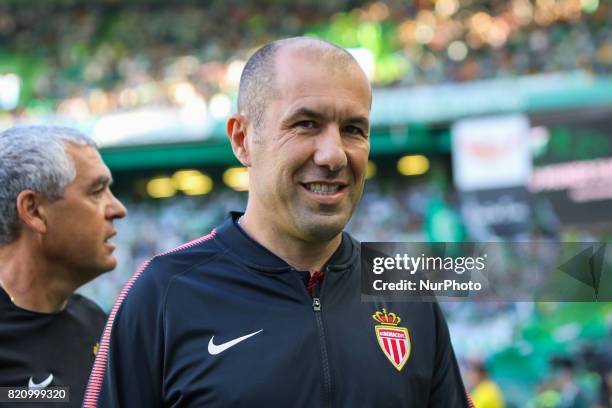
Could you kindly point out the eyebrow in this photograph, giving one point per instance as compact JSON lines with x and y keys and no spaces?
{"x":359,"y":120}
{"x":309,"y":113}
{"x":101,"y":181}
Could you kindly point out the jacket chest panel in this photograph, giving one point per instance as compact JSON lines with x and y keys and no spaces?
{"x":262,"y":350}
{"x":363,"y":369}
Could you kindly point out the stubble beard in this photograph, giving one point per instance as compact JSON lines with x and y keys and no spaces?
{"x":320,"y":227}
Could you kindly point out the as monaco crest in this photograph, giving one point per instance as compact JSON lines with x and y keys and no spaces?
{"x":393,"y":340}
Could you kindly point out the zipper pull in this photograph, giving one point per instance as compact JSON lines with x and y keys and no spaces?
{"x":316,"y":300}
{"x":316,"y":304}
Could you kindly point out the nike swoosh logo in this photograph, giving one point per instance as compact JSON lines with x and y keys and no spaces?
{"x":220,"y":348}
{"x":43,"y":384}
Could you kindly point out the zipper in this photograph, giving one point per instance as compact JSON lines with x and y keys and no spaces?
{"x":327,"y":383}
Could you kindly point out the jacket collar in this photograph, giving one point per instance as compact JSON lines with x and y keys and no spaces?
{"x":248,"y":251}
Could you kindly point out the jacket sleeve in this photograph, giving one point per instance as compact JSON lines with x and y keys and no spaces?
{"x":128,"y":368}
{"x":447,"y":386}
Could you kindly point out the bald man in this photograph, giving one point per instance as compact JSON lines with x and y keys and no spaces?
{"x":265,"y":311}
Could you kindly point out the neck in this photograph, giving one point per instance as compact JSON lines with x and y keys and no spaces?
{"x":31,"y":282}
{"x":300,"y":254}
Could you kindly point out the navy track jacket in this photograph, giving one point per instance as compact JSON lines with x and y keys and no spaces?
{"x":223,"y":322}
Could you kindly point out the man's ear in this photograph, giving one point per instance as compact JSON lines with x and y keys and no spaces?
{"x":31,"y":211}
{"x":236,"y":129}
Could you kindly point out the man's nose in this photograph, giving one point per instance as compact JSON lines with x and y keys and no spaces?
{"x":115,"y":209}
{"x":330,"y":150}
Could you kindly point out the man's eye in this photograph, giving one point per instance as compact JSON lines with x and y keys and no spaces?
{"x":306,"y":124}
{"x":354,"y":130}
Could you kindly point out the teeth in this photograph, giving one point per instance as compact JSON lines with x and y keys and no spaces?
{"x":322,"y":188}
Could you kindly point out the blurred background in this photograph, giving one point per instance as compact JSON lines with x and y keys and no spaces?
{"x":491,"y":120}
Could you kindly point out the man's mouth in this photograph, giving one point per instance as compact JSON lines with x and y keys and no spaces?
{"x":108,"y":239}
{"x":324,"y":188}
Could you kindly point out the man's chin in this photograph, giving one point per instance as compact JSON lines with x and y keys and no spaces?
{"x":323,"y":227}
{"x":107,"y":265}
{"x":87,"y":273}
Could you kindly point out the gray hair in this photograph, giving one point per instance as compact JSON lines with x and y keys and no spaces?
{"x":34,"y":158}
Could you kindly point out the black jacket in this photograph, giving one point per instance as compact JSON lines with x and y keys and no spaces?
{"x":47,"y":350}
{"x":222,"y":322}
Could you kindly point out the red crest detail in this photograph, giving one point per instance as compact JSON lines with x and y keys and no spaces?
{"x":394,"y":341}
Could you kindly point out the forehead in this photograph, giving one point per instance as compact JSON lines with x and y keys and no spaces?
{"x":323,"y":81}
{"x":87,"y":162}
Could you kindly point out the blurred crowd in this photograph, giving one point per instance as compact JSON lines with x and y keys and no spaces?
{"x":580,"y":380}
{"x":90,"y":59}
{"x":573,"y":381}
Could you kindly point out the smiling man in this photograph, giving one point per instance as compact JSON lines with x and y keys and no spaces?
{"x":308,"y":150}
{"x":266,"y":310}
{"x":56,"y":222}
